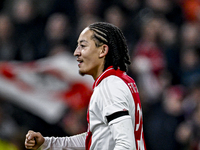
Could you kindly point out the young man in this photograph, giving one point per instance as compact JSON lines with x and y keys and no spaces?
{"x":114,"y":113}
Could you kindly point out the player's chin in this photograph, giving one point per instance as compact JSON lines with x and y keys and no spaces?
{"x":81,"y":72}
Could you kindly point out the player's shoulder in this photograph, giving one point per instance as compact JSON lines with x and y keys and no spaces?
{"x":113,"y":81}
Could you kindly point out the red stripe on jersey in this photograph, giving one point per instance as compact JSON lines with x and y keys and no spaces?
{"x":88,"y":140}
{"x":138,"y":131}
{"x":89,"y":133}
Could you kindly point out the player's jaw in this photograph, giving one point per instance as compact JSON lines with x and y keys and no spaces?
{"x":87,"y":66}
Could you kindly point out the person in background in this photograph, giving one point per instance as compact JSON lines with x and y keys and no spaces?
{"x":8,"y":48}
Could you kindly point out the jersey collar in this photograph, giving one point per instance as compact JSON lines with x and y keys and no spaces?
{"x":109,"y":71}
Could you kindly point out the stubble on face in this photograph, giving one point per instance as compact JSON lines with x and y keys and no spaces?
{"x":81,"y":73}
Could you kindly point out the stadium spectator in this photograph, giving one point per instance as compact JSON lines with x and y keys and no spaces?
{"x":8,"y":48}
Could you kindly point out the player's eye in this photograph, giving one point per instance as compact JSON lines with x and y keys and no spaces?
{"x":77,"y":46}
{"x":82,"y":45}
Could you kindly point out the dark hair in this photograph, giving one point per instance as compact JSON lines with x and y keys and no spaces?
{"x":106,"y":33}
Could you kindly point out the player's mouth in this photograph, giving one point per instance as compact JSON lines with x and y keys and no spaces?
{"x":79,"y":62}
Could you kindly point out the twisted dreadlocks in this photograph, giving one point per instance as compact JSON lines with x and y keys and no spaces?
{"x":105,"y":33}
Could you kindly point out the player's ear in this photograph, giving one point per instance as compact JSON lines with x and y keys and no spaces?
{"x":104,"y":50}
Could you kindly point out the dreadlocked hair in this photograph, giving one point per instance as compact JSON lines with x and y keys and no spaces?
{"x":106,"y":33}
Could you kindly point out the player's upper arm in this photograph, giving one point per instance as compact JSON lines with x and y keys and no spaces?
{"x":123,"y":133}
{"x":115,"y":97}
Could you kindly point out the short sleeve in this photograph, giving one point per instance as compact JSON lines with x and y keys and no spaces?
{"x":115,"y":94}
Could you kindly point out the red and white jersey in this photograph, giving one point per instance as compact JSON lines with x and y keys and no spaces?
{"x":114,"y":91}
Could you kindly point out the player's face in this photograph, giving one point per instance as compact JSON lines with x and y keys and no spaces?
{"x":88,"y":55}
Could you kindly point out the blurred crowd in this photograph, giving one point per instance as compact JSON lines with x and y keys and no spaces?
{"x":163,"y":39}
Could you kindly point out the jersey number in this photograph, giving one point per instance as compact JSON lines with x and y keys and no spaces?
{"x":138,"y":129}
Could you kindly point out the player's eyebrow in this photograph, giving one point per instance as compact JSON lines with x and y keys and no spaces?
{"x":82,"y":41}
